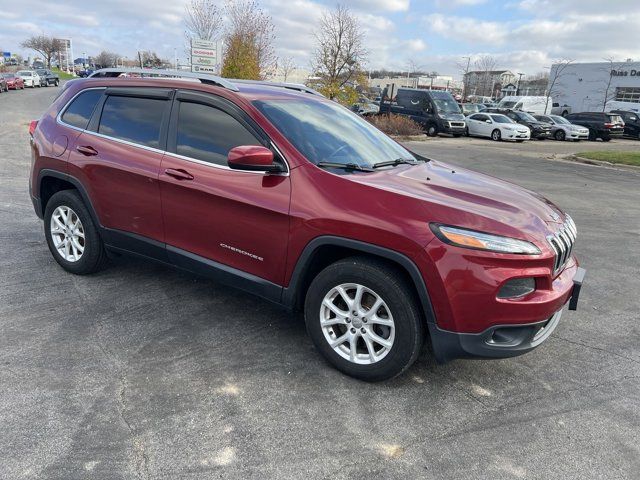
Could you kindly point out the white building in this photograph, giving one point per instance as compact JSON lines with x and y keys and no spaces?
{"x":586,"y":86}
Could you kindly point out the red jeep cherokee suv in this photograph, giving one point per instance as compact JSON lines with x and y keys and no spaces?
{"x":276,"y":190}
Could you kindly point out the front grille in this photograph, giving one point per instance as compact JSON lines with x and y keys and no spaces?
{"x":456,"y":124}
{"x":562,"y":243}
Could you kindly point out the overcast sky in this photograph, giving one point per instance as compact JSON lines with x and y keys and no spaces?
{"x":524,"y":35}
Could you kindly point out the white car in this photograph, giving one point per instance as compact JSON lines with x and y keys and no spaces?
{"x":563,"y":129}
{"x":31,"y":78}
{"x":496,"y":126}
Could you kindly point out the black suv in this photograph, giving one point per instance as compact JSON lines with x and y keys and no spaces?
{"x":601,"y":125}
{"x":631,"y":122}
{"x":47,"y":77}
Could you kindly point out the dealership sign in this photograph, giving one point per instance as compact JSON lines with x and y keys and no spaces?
{"x":625,"y":73}
{"x":204,"y":56}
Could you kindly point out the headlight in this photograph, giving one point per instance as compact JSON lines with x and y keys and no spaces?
{"x":461,"y":237}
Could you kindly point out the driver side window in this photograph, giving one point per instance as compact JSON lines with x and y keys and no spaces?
{"x":207,"y":133}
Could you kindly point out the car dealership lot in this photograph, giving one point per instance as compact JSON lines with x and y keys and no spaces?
{"x":146,"y":372}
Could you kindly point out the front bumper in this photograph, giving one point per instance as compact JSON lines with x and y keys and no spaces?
{"x":500,"y":341}
{"x":541,"y":134}
{"x":453,"y":127}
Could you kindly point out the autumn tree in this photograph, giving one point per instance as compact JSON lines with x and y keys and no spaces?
{"x":240,"y":59}
{"x":339,"y":52}
{"x":248,"y":41}
{"x":46,"y":46}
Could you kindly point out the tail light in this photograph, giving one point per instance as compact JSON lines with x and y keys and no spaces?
{"x":32,"y":126}
{"x":609,"y":125}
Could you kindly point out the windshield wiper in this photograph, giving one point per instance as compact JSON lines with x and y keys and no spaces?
{"x":393,"y":163}
{"x":346,"y":166}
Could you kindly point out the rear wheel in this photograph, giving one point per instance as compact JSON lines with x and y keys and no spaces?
{"x":496,"y":135}
{"x":361,"y":316}
{"x":72,"y":236}
{"x":560,"y":135}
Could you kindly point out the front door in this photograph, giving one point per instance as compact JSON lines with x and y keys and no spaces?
{"x":237,"y":219}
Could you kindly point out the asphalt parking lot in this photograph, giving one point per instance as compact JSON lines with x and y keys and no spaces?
{"x":145,"y":372}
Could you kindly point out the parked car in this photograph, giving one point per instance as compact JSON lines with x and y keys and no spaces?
{"x":469,"y":108}
{"x":530,"y":104}
{"x":14,"y":82}
{"x":563,"y":129}
{"x":47,"y":77}
{"x":365,"y":108}
{"x":435,"y":110}
{"x":631,"y":123}
{"x":601,"y":125}
{"x":562,"y":110}
{"x":539,"y":130}
{"x":3,"y":85}
{"x":288,"y":195}
{"x":497,"y":127}
{"x":30,"y":78}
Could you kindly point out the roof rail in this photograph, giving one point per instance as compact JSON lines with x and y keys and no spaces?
{"x":291,"y":86}
{"x":150,"y":72}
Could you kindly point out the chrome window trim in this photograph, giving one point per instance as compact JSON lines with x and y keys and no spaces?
{"x":165,"y":152}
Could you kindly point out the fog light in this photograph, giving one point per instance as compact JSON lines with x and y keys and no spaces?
{"x":517,"y":287}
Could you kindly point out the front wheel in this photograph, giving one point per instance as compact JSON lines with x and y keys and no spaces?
{"x":72,"y":237}
{"x":57,"y":82}
{"x":432,"y":130}
{"x":560,"y":135}
{"x":496,"y":135}
{"x":362,"y":317}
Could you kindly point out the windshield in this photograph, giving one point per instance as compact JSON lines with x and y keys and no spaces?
{"x":23,"y":73}
{"x":327,"y":132}
{"x":447,"y":105}
{"x":507,"y":104}
{"x":526,"y":117}
{"x":470,"y":107}
{"x":560,"y":120}
{"x":501,"y":119}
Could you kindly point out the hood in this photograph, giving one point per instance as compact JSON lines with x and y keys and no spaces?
{"x":452,"y":116}
{"x":461,"y":197}
{"x":539,"y":124}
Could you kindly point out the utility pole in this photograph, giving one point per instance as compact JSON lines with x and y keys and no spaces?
{"x":518,"y":87}
{"x":140,"y":59}
{"x":464,"y":79}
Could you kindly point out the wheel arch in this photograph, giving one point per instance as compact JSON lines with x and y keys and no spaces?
{"x":53,"y":181}
{"x":325,"y":250}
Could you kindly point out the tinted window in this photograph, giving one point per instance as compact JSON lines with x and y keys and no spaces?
{"x":133,"y":119}
{"x":79,"y":112}
{"x":207,"y":133}
{"x":480,"y":117}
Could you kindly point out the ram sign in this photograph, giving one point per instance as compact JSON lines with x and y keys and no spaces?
{"x":204,"y":56}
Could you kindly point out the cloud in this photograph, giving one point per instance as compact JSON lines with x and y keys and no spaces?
{"x":466,"y":29}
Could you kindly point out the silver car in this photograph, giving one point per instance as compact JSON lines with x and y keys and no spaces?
{"x":563,"y":129}
{"x":30,"y":78}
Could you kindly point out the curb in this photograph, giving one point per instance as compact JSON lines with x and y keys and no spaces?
{"x":410,"y":138}
{"x":602,"y":163}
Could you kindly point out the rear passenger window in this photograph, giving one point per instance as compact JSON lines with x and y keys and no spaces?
{"x":207,"y":133}
{"x":133,"y":119}
{"x":79,"y":112}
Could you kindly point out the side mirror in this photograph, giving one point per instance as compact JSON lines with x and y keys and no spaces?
{"x":252,"y":158}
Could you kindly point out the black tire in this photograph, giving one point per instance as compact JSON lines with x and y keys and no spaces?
{"x":565,"y":113}
{"x":56,"y":83}
{"x":390,"y":284}
{"x":432,"y":130}
{"x":560,"y":135}
{"x":496,"y":135}
{"x":606,"y":139}
{"x":466,"y":132}
{"x":592,"y":135}
{"x":94,"y":256}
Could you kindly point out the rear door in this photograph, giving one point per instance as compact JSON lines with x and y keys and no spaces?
{"x":237,"y":219}
{"x":118,"y":159}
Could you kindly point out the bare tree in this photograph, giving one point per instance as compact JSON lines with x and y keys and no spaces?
{"x":48,"y":47}
{"x":105,"y":59}
{"x":607,"y":92}
{"x":464,"y":68}
{"x":202,"y":20}
{"x":555,"y":79}
{"x":251,"y":26}
{"x":414,"y":68}
{"x":287,"y":66}
{"x":340,"y":50}
{"x":486,"y":65}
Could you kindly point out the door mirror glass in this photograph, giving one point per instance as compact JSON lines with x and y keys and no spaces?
{"x":252,"y":158}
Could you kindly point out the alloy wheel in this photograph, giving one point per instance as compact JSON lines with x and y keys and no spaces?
{"x":357,"y":323}
{"x":67,"y":233}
